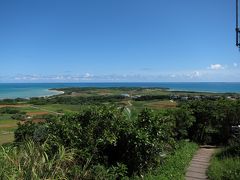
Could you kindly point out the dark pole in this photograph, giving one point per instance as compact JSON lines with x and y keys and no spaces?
{"x":237,"y":28}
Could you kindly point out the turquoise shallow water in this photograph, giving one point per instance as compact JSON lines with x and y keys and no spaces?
{"x":27,"y":90}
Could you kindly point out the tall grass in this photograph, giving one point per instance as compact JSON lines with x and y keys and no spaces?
{"x":175,"y":165}
{"x":225,"y":165}
{"x":31,"y":161}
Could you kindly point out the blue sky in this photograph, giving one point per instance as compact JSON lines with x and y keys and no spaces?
{"x":110,"y":40}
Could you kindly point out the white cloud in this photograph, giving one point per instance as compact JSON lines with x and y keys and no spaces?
{"x":211,"y":74}
{"x":87,"y":75}
{"x":235,"y":64}
{"x":196,"y":74}
{"x":216,"y":67}
{"x":193,"y":75}
{"x":51,"y":78}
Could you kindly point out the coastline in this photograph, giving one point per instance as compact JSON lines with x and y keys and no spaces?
{"x":51,"y":91}
{"x":58,"y":92}
{"x":195,"y":91}
{"x":29,"y":90}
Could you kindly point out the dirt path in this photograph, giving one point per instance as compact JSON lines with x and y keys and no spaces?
{"x":129,"y":102}
{"x":14,"y":105}
{"x":200,"y":163}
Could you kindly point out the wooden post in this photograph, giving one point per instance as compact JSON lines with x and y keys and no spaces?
{"x":237,"y":28}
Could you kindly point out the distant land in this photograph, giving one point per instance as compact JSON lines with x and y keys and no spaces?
{"x":27,"y":90}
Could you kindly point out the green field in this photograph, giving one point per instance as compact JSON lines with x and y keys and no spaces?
{"x":7,"y":128}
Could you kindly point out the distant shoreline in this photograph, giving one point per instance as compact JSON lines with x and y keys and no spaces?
{"x":28,"y":90}
{"x":56,"y":91}
{"x":50,"y":90}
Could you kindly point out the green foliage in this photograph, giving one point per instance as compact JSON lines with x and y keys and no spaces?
{"x":25,"y":131}
{"x":227,"y":169}
{"x":152,"y":97}
{"x":9,"y":110}
{"x":31,"y":161}
{"x":101,"y":173}
{"x":213,"y":120}
{"x":12,"y":101}
{"x":111,"y":143}
{"x":175,"y":164}
{"x":106,"y":136}
{"x":141,"y":147}
{"x":4,"y":117}
{"x":105,"y":142}
{"x":79,"y":100}
{"x":184,"y":120}
{"x":19,"y":116}
{"x":14,"y":113}
{"x":226,"y":164}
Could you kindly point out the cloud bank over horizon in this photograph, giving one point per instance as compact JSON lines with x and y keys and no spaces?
{"x":212,"y":73}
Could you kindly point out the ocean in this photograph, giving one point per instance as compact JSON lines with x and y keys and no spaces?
{"x":27,"y":90}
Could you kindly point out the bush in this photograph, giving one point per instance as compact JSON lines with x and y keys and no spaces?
{"x":184,"y":120}
{"x":19,"y":116}
{"x":25,"y":131}
{"x":213,"y":120}
{"x":106,"y":136}
{"x":9,"y":110}
{"x":76,"y":100}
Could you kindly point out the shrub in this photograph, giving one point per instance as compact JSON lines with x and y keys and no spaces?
{"x":184,"y":120}
{"x":107,"y":136}
{"x":25,"y":131}
{"x":213,"y":120}
{"x":9,"y":110}
{"x":18,"y":116}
